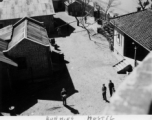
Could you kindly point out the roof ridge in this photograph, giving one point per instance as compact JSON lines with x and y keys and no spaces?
{"x":130,"y":13}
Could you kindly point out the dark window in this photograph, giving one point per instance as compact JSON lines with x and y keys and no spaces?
{"x":21,"y":63}
{"x":1,"y":25}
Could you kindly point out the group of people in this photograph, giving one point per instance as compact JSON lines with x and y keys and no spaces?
{"x":104,"y":89}
{"x":111,"y":90}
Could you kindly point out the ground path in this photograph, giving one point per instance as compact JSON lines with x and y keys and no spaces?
{"x":90,"y":66}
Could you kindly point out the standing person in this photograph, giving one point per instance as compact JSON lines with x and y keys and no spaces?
{"x":111,"y":87}
{"x":104,"y":92}
{"x":85,"y":18}
{"x":64,"y":96}
{"x":12,"y":110}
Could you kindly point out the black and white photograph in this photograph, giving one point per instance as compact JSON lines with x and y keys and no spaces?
{"x":89,"y":58}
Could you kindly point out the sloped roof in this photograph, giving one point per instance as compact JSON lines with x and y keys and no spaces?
{"x":11,"y":9}
{"x":28,"y":29}
{"x":6,"y":32}
{"x":37,"y":33}
{"x":138,"y":26}
{"x":3,"y":45}
{"x":7,"y":60}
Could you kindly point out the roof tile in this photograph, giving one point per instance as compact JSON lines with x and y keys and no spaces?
{"x":11,"y":9}
{"x":138,"y":26}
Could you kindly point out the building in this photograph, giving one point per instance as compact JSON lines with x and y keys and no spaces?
{"x":132,"y":38}
{"x":13,"y":10}
{"x":5,"y":80}
{"x":30,"y":49}
{"x":79,"y":8}
{"x":59,"y":5}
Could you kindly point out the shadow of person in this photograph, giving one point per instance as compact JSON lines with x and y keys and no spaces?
{"x":107,"y":101}
{"x":74,"y":111}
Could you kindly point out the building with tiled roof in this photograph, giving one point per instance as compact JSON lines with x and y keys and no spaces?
{"x":133,"y":36}
{"x":12,"y":11}
{"x":138,"y":26}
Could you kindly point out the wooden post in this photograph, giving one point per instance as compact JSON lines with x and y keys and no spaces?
{"x":135,"y":55}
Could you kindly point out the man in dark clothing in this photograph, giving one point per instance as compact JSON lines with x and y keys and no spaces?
{"x":111,"y":88}
{"x":104,"y":92}
{"x":64,"y":96}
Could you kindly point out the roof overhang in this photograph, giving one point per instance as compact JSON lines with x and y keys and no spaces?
{"x":7,"y":60}
{"x":129,"y":35}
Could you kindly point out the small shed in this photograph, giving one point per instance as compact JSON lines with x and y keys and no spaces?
{"x":30,"y":49}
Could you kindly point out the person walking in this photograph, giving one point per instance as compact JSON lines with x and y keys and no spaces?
{"x":104,"y":92}
{"x":64,"y":96}
{"x":111,"y":87}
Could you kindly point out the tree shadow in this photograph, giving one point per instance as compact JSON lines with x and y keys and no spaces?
{"x":74,"y":111}
{"x":65,"y":29}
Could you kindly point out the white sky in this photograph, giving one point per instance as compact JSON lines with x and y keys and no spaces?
{"x":126,"y":6}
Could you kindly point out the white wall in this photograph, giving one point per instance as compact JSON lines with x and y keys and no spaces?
{"x":118,"y":44}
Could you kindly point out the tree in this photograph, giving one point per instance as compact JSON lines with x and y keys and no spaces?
{"x":105,"y":7}
{"x":80,"y":12}
{"x":143,"y":4}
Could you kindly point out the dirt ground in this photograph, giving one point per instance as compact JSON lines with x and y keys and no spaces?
{"x":90,"y":66}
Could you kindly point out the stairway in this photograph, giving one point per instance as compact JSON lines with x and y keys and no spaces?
{"x":120,"y":66}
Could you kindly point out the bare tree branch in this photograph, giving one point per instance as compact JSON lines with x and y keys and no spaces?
{"x":143,"y":4}
{"x":106,"y":6}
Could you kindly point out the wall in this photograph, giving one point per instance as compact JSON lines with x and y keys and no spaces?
{"x":6,"y":93}
{"x":8,"y":22}
{"x":118,"y":43}
{"x":129,"y":50}
{"x":59,"y":5}
{"x":38,"y":61}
